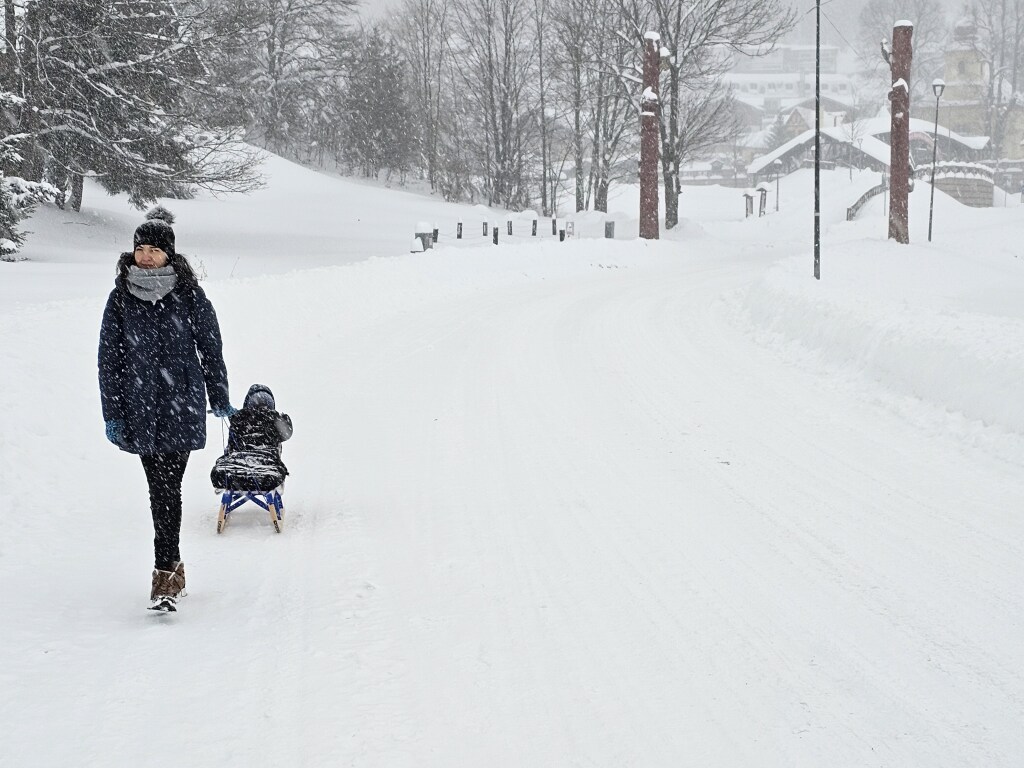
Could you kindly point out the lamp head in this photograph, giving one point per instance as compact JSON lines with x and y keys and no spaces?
{"x":938,"y":86}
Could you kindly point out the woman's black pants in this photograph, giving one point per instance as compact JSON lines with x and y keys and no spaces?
{"x":164,"y":472}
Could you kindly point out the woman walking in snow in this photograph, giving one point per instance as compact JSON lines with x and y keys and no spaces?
{"x":159,"y":357}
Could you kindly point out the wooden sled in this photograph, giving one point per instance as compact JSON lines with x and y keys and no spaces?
{"x":270,"y":501}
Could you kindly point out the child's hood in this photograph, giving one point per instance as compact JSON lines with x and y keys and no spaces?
{"x":259,"y":396}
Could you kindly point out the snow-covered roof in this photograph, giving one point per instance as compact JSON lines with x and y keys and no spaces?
{"x":863,"y":135}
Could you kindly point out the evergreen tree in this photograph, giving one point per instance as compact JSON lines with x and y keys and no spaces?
{"x":379,"y":118}
{"x":17,"y":196}
{"x":776,"y":135}
{"x":107,"y":87}
{"x":10,"y":236}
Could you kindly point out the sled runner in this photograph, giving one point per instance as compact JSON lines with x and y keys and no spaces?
{"x":269,"y":501}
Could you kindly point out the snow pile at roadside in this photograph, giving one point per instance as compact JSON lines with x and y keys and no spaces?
{"x":945,"y":327}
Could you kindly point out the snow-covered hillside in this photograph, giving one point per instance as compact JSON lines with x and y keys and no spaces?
{"x":595,"y":503}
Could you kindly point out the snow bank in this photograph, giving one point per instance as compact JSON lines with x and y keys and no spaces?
{"x":922,"y":324}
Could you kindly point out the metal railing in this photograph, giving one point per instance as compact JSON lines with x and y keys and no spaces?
{"x":854,"y":209}
{"x":952,"y":169}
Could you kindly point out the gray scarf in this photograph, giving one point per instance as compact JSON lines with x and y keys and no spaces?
{"x":151,"y":284}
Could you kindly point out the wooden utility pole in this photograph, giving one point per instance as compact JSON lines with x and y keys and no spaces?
{"x":649,"y":139}
{"x":899,"y":133}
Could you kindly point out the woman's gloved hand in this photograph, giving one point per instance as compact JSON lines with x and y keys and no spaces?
{"x":115,"y":432}
{"x":225,"y":413}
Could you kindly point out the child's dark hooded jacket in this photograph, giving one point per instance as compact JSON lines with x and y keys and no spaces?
{"x":258,"y":427}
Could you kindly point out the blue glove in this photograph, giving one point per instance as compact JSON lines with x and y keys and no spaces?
{"x":115,"y":432}
{"x":225,"y":413}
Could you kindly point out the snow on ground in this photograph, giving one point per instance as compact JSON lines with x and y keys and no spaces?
{"x":598,"y":503}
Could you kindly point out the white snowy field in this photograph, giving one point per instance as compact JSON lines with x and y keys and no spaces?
{"x":593,"y":503}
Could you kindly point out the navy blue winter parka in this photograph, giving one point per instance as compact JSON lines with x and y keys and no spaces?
{"x":157,"y":362}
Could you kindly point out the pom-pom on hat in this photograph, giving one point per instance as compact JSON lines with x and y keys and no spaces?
{"x":156,"y":230}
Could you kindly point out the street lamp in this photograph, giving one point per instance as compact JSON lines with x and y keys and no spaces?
{"x":938,"y":86}
{"x":817,"y":141}
{"x":778,"y":172}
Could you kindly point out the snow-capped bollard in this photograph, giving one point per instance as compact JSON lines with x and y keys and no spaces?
{"x":762,"y":207}
{"x":425,"y":233}
{"x":748,"y":198}
{"x":609,"y":230}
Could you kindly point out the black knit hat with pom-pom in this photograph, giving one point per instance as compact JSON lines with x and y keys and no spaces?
{"x":156,"y":230}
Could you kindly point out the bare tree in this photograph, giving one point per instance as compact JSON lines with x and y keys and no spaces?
{"x":540,"y":19}
{"x":999,"y":25}
{"x":10,"y":58}
{"x":615,"y":114}
{"x":575,"y":28}
{"x":495,"y":48}
{"x":422,"y":30}
{"x":276,"y":65}
{"x":697,"y":37}
{"x":876,"y":21}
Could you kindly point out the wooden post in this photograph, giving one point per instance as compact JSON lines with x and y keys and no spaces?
{"x":609,"y":230}
{"x":899,"y":133}
{"x":649,"y":138}
{"x":485,"y":229}
{"x":435,"y":233}
{"x":533,"y":230}
{"x":510,"y":226}
{"x":495,"y":235}
{"x":561,"y":235}
{"x":458,"y":231}
{"x":554,"y":226}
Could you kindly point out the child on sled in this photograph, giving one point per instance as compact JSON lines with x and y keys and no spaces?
{"x":252,"y":460}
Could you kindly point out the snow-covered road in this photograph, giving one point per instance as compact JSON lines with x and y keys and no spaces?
{"x":550,"y":508}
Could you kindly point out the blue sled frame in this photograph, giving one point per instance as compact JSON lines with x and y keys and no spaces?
{"x":270,"y":501}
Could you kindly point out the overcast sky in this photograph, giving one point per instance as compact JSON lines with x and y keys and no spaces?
{"x":839,"y":17}
{"x":372,"y":9}
{"x":840,"y":20}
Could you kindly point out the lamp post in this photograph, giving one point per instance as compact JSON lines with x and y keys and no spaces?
{"x":778,"y":172}
{"x":817,"y":141}
{"x":938,"y":86}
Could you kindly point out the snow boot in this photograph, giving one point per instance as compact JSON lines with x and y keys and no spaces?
{"x":178,"y":581}
{"x":167,"y":587}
